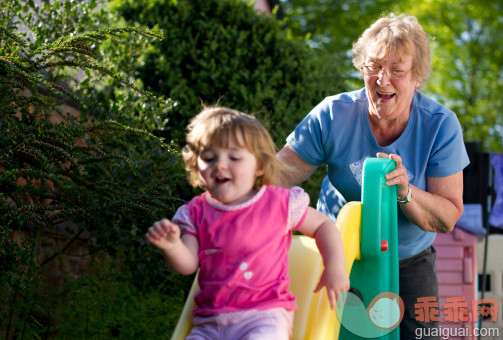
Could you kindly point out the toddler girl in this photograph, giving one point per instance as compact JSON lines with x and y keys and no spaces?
{"x":239,"y":230}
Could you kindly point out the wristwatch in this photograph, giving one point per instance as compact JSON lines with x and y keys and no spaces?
{"x":407,"y":197}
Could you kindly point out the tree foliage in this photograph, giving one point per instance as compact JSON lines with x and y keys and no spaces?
{"x":334,"y":26}
{"x":467,"y":56}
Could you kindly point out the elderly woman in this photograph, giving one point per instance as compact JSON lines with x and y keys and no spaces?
{"x":390,"y":117}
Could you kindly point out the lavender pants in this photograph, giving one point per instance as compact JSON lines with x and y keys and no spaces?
{"x":271,"y":324}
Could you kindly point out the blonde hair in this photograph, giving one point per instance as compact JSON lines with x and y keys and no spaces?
{"x":401,"y":34}
{"x":215,"y":126}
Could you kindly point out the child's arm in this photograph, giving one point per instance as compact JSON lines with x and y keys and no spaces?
{"x":180,"y":252}
{"x":329,"y":242}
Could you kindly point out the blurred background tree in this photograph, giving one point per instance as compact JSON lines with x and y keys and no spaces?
{"x":333,"y":26}
{"x":467,"y":54}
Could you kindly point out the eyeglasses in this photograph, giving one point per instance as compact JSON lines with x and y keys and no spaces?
{"x":375,"y":71}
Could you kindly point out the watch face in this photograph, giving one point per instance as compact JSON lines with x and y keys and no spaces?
{"x":408,"y":197}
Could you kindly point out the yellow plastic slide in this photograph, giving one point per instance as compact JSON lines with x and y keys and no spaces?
{"x":313,"y":318}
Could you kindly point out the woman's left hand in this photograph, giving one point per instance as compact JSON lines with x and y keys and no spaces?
{"x":398,"y":176}
{"x":436,"y":209}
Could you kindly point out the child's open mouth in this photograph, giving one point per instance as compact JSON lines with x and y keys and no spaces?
{"x":221,"y":180}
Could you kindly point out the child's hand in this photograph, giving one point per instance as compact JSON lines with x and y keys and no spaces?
{"x":163,"y":234}
{"x":335,"y":280}
{"x":180,"y":253}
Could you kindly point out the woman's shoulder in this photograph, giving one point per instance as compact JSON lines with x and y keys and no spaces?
{"x":342,"y":104}
{"x":347,"y":97}
{"x":430,"y":106}
{"x":435,"y":115}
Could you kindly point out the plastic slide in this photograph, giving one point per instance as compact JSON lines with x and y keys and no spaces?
{"x":313,"y":318}
{"x":375,"y":270}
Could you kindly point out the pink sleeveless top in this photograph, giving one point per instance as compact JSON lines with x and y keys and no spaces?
{"x":243,"y":249}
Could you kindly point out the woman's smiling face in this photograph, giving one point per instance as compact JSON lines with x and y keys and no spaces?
{"x":390,"y":98}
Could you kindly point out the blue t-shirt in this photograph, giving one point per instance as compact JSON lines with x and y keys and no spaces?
{"x":337,"y":133}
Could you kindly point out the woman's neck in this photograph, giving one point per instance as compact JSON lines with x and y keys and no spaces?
{"x":386,"y":132}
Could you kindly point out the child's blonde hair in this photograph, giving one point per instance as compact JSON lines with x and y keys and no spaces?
{"x":215,"y":126}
